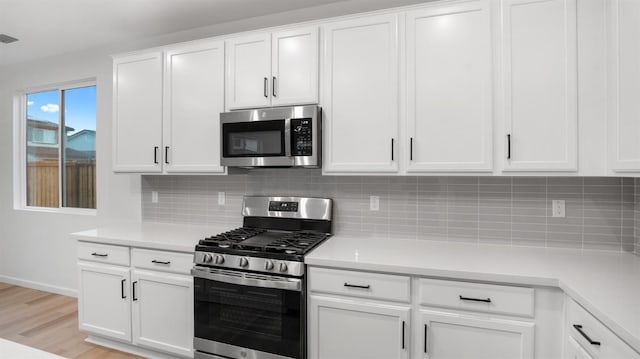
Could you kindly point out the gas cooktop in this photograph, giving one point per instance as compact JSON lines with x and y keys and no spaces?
{"x":276,"y":234}
{"x":264,"y":240}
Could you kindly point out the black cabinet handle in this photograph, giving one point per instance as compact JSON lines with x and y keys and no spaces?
{"x":99,"y":254}
{"x":509,"y":146}
{"x":273,"y":84}
{"x":357,"y":286}
{"x":403,"y":334}
{"x":160,"y":262}
{"x":133,"y":294}
{"x":488,"y":300}
{"x":155,"y":154}
{"x":579,"y":329}
{"x":411,"y":149}
{"x":122,"y":289}
{"x":425,"y":338}
{"x":392,"y":141}
{"x":166,"y":154}
{"x":266,"y":85}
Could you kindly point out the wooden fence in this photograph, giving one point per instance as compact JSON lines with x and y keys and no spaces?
{"x":43,"y":183}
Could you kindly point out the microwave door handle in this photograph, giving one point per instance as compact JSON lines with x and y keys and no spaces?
{"x":287,"y":137}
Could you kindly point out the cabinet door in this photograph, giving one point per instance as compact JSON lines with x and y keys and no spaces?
{"x":103,"y":300}
{"x":194,"y":98}
{"x":360,"y":100}
{"x":137,"y":113}
{"x":573,"y":350}
{"x":163,"y":311}
{"x":446,"y":335}
{"x":624,"y":89}
{"x":248,"y":72}
{"x":540,"y":85}
{"x":294,"y":67}
{"x":357,"y":329}
{"x":449,"y":88}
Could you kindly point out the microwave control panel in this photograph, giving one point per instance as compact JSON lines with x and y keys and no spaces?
{"x":301,"y":137}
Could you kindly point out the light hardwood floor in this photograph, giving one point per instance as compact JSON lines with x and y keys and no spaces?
{"x":47,"y":322}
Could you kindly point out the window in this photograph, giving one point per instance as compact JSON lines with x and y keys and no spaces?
{"x":60,"y":147}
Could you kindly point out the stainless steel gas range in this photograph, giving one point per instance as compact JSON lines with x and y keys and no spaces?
{"x":249,"y":283}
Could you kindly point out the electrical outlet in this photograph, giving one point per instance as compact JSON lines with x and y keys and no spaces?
{"x":558,"y":208}
{"x":374,"y":203}
{"x":221,"y":198}
{"x":154,"y":196}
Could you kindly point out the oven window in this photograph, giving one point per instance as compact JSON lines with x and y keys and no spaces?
{"x":253,"y":139}
{"x":264,"y":319}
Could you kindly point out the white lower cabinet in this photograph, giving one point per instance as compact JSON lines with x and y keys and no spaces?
{"x":158,"y":322}
{"x":141,"y":299}
{"x":104,"y":306}
{"x":587,"y":337}
{"x":344,"y":328}
{"x":573,"y":350}
{"x":451,"y":335}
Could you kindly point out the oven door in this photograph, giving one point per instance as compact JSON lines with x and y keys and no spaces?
{"x":256,"y":143}
{"x":244,"y":315}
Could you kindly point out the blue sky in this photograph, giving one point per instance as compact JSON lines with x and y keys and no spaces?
{"x":80,"y":105}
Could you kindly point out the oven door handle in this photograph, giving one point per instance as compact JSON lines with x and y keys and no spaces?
{"x":283,"y":282}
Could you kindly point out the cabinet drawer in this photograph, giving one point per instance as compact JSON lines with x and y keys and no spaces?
{"x":360,"y":284}
{"x":477,"y":297}
{"x":594,"y":336}
{"x":162,"y":260}
{"x":103,"y":253}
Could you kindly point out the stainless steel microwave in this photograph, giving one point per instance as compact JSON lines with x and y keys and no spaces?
{"x":272,"y":137}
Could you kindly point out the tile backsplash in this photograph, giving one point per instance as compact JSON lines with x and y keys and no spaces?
{"x":637,"y":216}
{"x":601,"y":213}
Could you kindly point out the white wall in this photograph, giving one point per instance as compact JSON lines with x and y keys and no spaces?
{"x":34,"y":246}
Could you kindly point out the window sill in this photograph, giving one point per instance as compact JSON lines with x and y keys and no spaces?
{"x":72,"y":211}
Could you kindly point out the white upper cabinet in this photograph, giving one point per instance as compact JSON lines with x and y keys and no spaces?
{"x":194,"y":98}
{"x":272,"y":69}
{"x":539,"y":85}
{"x":360,"y":95}
{"x":294,"y":61}
{"x":624,"y":86}
{"x":249,"y":71}
{"x":449,"y":88}
{"x":137,"y":113}
{"x":168,"y":119}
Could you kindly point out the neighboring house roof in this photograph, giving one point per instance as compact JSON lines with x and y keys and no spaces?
{"x":84,"y":132}
{"x":47,"y":125}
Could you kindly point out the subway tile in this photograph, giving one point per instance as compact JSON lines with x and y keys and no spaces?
{"x":601,"y":213}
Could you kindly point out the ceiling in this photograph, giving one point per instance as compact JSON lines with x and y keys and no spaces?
{"x":52,"y":27}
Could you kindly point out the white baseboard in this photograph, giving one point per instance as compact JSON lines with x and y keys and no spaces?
{"x":128,"y":348}
{"x":39,"y":286}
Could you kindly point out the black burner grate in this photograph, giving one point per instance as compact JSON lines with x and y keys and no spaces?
{"x":232,"y":237}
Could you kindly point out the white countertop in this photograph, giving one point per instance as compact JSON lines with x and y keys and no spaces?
{"x":605,"y":283}
{"x":171,"y":237}
{"x":13,"y":350}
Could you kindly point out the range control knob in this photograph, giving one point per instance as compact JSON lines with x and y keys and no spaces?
{"x":244,"y":262}
{"x":283,"y":267}
{"x":219,"y":259}
{"x":207,"y":258}
{"x":268,"y":265}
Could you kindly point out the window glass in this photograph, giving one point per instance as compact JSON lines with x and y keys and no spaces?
{"x":43,"y":164}
{"x":79,"y":155}
{"x":61,"y":148}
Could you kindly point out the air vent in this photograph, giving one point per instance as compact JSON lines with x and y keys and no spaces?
{"x":6,"y":39}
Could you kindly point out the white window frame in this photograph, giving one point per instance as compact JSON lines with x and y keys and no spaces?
{"x":20,"y":149}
